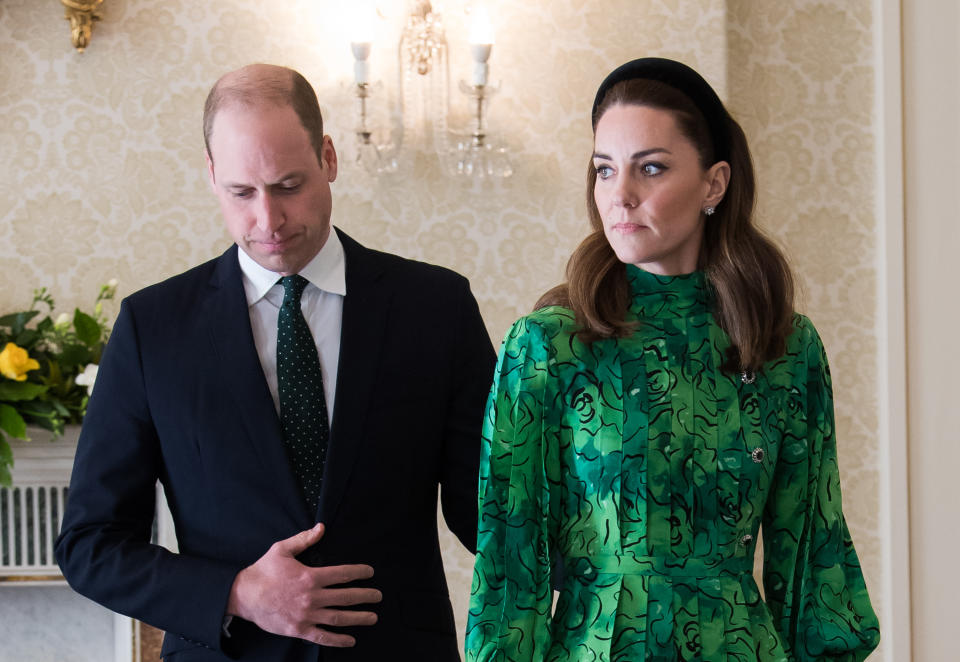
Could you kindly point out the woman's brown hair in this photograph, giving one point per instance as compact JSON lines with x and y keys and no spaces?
{"x":749,"y":276}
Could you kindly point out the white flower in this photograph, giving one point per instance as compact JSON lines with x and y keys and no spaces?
{"x":87,"y":377}
{"x":63,"y":321}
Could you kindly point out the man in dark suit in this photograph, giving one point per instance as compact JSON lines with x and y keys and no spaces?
{"x":301,"y":398}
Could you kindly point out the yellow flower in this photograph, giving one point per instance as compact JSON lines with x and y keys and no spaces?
{"x":15,"y":363}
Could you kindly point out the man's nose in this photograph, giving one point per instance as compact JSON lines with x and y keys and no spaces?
{"x":269,"y":214}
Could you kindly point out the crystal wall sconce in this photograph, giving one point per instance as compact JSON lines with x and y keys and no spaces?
{"x":424,"y":90}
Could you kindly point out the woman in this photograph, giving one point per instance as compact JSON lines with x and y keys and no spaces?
{"x":655,"y":410}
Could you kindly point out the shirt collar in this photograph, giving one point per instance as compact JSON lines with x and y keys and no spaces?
{"x":327,"y":271}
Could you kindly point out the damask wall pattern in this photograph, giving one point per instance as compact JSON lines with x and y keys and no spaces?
{"x":104,"y":177}
{"x":801,"y":82}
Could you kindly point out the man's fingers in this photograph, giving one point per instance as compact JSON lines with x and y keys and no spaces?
{"x":333,"y":575}
{"x":344,"y":617}
{"x":337,"y":618}
{"x":327,"y":638}
{"x":301,"y":541}
{"x":344,"y":597}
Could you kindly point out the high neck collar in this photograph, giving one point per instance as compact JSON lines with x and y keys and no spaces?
{"x":667,"y":296}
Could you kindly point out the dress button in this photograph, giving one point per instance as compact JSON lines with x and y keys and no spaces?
{"x":748,"y":377}
{"x":758,"y":454}
{"x":746,"y":540}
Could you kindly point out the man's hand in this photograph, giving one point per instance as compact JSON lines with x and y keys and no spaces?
{"x":283,"y":596}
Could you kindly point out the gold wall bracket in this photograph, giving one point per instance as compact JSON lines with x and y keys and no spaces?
{"x":81,"y":14}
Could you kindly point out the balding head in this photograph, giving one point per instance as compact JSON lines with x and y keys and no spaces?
{"x":270,"y":85}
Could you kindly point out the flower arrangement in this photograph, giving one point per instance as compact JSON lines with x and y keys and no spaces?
{"x":47,"y":368}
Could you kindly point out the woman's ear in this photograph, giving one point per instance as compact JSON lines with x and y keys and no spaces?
{"x":717,"y":178}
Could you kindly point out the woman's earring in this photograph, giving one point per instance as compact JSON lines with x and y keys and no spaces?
{"x":708,"y":210}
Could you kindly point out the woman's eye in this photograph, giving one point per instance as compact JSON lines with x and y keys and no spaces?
{"x":652,"y":169}
{"x":604,"y":171}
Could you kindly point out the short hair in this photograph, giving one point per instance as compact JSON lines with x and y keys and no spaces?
{"x":266,"y":84}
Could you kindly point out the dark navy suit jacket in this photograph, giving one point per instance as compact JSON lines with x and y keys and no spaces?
{"x":181,"y":397}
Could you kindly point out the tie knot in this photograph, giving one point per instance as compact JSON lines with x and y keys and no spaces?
{"x":293,"y":287}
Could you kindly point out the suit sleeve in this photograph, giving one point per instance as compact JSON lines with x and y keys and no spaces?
{"x":470,"y":381}
{"x":812,"y":578}
{"x":510,"y":601}
{"x":104,"y":547}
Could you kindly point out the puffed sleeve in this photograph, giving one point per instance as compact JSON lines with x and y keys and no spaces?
{"x":509,"y":617}
{"x":812,"y":577}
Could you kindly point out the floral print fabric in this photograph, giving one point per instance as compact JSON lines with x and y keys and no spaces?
{"x":649,"y":471}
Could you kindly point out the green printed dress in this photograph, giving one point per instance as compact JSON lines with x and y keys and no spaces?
{"x":649,"y":471}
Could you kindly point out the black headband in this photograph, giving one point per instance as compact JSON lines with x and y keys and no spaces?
{"x":683,"y":79}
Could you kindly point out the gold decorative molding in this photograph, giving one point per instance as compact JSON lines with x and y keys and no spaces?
{"x":81,"y":14}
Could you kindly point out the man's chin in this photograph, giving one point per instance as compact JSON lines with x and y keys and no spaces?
{"x":280,"y":263}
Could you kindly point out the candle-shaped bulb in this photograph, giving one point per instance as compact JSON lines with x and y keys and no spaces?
{"x":480,"y":54}
{"x":361,"y":51}
{"x":362,"y":37}
{"x":481,"y":30}
{"x":481,"y":43}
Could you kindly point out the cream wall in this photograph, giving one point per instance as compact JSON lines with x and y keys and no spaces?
{"x":103,"y":173}
{"x":931,"y":75}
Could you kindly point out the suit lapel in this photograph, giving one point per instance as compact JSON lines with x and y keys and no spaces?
{"x":242,"y":376}
{"x":365,"y":310}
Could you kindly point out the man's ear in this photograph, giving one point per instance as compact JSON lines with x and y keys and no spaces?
{"x":210,"y":175}
{"x":328,"y":158}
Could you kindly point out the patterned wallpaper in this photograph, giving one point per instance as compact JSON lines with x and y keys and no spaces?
{"x":801,"y":80}
{"x":103,"y":174}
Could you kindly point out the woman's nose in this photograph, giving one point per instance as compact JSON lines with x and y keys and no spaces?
{"x":625,"y":194}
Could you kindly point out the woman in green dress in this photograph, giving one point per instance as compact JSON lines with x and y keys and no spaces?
{"x":654,"y":411}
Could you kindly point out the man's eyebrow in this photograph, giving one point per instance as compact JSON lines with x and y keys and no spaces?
{"x":290,"y":175}
{"x":635,"y":155}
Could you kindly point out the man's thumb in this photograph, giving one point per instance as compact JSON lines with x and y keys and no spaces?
{"x":298,"y":543}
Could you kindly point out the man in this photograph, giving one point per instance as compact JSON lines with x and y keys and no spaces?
{"x":301,"y":444}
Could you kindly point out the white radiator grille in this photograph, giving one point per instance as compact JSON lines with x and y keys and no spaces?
{"x":29,"y":523}
{"x":31,"y":510}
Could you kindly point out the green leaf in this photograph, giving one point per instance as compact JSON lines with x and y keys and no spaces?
{"x":38,"y":409}
{"x":6,"y":462}
{"x":27,"y":338}
{"x":12,"y":422}
{"x":11,"y":391}
{"x":74,"y":354}
{"x":59,"y":408}
{"x":54,"y":375}
{"x":88,"y":330}
{"x":16,"y":321}
{"x":47,"y":423}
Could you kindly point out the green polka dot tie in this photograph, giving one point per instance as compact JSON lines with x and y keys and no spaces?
{"x":303,"y":409}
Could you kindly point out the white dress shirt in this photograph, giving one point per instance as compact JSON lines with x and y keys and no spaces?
{"x":322,"y":306}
